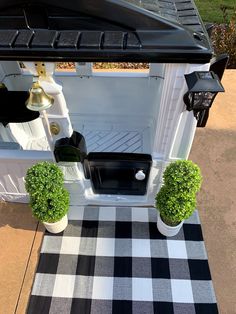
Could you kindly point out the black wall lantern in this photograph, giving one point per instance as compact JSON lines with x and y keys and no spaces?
{"x":203,"y":87}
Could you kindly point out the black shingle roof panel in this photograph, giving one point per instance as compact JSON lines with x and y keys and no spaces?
{"x":105,"y":30}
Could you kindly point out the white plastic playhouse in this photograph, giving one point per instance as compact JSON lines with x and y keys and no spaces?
{"x":111,"y":132}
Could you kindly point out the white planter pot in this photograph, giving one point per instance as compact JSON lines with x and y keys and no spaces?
{"x":166,"y":230}
{"x":56,"y":227}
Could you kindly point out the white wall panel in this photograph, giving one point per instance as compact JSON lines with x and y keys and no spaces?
{"x":13,"y":168}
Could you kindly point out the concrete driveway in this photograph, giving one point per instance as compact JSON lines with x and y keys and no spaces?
{"x":214,"y":150}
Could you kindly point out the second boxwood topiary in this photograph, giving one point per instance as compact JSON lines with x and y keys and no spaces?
{"x":176,"y":200}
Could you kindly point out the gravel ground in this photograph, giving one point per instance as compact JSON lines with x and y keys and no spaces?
{"x":106,"y":65}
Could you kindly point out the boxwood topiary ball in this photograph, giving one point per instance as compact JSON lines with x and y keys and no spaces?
{"x":175,"y":207}
{"x":183,"y":176}
{"x":43,"y":177}
{"x":51,"y":207}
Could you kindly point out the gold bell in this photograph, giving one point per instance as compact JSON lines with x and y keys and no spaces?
{"x":38,"y":100}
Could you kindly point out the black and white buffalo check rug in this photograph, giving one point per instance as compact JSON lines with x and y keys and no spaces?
{"x":113,"y":260}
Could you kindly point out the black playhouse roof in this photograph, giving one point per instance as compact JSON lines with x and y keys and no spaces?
{"x":103,"y":30}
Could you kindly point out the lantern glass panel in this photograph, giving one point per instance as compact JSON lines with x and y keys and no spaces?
{"x":207,"y":99}
{"x":203,"y":100}
{"x":197,"y":99}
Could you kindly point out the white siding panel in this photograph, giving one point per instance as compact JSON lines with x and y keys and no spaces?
{"x":13,"y":167}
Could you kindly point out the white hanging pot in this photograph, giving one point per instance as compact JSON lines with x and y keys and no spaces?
{"x":56,"y":227}
{"x":167,"y":230}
